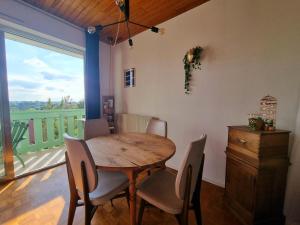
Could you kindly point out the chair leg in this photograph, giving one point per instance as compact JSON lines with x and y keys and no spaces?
{"x":72,"y":209}
{"x":20,"y":159}
{"x":122,"y":195}
{"x":88,"y":214}
{"x":141,"y":211}
{"x":184,"y":218}
{"x":197,"y":211}
{"x":127,"y":197}
{"x":94,"y":209}
{"x":178,"y":217}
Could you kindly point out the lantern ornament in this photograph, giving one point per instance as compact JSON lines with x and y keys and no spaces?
{"x":268,"y":108}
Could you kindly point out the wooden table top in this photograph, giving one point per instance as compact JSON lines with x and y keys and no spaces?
{"x":130,"y":150}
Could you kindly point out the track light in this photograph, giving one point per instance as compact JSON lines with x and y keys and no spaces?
{"x":91,"y":30}
{"x":121,"y":4}
{"x":130,"y":42}
{"x":154,"y":29}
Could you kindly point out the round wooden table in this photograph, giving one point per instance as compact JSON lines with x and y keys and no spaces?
{"x":131,"y":153}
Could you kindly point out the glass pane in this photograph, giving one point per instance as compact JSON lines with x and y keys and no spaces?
{"x":46,"y":92}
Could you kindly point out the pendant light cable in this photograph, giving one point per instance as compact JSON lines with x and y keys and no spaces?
{"x":118,"y":30}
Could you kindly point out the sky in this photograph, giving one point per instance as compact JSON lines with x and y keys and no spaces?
{"x":36,"y":74}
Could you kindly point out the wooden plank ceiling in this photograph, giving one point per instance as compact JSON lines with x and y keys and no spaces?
{"x":86,"y":13}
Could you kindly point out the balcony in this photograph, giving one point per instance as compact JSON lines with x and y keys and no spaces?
{"x":43,"y":143}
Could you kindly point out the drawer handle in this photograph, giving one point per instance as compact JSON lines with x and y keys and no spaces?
{"x":242,"y":141}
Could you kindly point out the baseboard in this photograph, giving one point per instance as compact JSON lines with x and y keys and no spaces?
{"x":212,"y":181}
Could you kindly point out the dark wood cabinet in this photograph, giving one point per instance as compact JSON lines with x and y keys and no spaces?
{"x":256,"y":170}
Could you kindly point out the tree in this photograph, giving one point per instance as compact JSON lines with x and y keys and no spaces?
{"x":49,"y":104}
{"x":80,"y":104}
{"x":66,"y":103}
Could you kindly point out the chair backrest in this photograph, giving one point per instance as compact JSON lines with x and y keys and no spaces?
{"x":132,"y":123}
{"x":78,"y":152}
{"x":18,"y":131}
{"x":95,"y":128}
{"x":158,"y":127}
{"x":193,"y":156}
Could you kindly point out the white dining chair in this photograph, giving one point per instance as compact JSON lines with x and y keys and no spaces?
{"x":88,"y":186}
{"x":176,"y":194}
{"x":95,"y":128}
{"x":158,"y":127}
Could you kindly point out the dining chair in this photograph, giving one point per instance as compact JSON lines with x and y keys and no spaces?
{"x":95,"y":128}
{"x":90,"y":187}
{"x":176,"y":194}
{"x":158,"y":127}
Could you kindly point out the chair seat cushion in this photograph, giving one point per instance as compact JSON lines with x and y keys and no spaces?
{"x":109,"y":185}
{"x":159,"y":190}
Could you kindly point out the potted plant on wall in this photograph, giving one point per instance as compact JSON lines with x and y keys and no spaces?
{"x":191,"y":61}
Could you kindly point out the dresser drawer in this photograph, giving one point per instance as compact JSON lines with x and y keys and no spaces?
{"x":246,"y":140}
{"x":261,"y":143}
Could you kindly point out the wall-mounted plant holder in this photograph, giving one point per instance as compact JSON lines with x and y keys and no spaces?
{"x":191,"y":61}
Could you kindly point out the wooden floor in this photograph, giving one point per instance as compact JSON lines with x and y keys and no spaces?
{"x":42,"y":199}
{"x":37,"y":160}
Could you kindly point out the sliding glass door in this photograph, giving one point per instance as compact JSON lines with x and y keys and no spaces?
{"x":2,"y":171}
{"x":46,"y":99}
{"x":6,"y":167}
{"x":2,"y":74}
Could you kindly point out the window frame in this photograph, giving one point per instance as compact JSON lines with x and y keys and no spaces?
{"x":36,"y":39}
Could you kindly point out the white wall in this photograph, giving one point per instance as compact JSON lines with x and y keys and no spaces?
{"x":251,"y":50}
{"x":106,"y":82}
{"x":293,"y":187}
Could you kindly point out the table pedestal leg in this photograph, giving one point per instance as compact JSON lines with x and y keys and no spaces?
{"x":132,"y":192}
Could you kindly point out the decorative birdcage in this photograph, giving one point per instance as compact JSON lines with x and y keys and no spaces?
{"x":268,"y":108}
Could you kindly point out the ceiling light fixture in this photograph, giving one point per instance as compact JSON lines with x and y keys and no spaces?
{"x":124,"y":7}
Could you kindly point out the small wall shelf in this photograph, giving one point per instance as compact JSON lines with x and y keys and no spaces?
{"x":108,"y":111}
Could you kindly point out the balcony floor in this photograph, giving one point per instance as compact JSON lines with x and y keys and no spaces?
{"x":38,"y":160}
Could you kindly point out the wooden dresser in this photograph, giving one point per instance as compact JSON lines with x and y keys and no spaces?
{"x":256,"y":169}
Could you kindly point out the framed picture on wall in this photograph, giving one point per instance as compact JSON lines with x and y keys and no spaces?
{"x":129,"y":78}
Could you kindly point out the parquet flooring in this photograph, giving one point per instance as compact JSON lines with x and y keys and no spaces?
{"x":43,"y":199}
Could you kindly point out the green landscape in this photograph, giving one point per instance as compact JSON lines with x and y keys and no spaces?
{"x":47,"y":122}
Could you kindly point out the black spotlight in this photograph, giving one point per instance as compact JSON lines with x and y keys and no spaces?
{"x":130,"y":42}
{"x":154,"y":29}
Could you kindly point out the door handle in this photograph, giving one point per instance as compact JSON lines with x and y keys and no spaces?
{"x":242,"y":141}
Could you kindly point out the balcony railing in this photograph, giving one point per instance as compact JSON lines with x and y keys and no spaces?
{"x":46,"y":127}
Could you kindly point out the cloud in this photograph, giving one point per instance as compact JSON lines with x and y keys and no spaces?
{"x":39,"y":77}
{"x":50,"y":88}
{"x":51,"y":76}
{"x":36,"y":63}
{"x":40,"y":66}
{"x":24,"y":84}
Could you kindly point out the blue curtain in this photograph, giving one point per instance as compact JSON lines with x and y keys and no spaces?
{"x":92,"y":76}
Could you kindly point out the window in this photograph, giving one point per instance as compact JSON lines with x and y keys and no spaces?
{"x":46,"y":99}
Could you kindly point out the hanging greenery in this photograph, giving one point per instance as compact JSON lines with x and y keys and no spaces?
{"x":191,"y":61}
